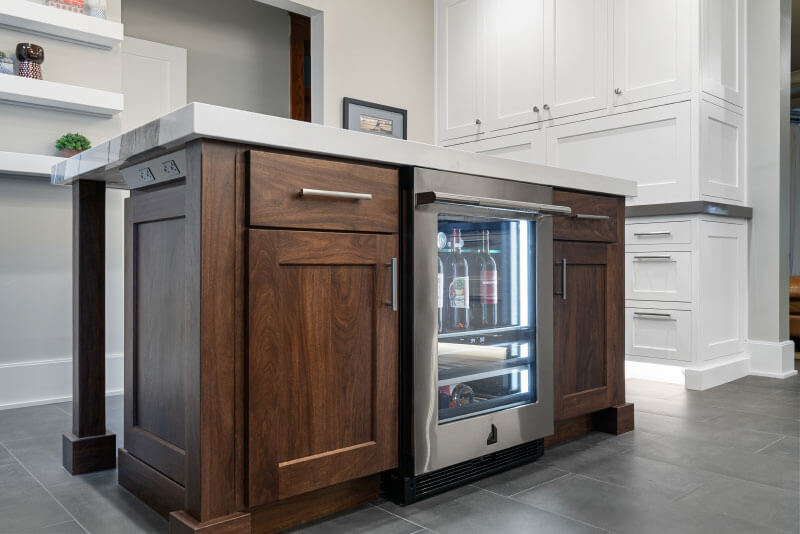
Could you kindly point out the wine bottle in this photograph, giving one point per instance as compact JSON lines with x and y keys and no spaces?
{"x":488,"y":284}
{"x":457,"y":272}
{"x":440,"y":293}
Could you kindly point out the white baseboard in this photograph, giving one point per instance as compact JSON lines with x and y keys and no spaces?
{"x":717,"y":372}
{"x":771,"y":359}
{"x":48,"y":381}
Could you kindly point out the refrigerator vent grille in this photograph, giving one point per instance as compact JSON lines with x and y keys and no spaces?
{"x":464,"y":472}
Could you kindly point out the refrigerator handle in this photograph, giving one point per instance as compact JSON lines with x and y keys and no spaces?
{"x":564,"y":279}
{"x":430,"y":197}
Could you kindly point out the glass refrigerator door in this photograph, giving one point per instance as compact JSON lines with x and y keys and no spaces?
{"x":487,"y":335}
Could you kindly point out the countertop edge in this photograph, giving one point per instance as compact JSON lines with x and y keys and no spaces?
{"x":695,"y":207}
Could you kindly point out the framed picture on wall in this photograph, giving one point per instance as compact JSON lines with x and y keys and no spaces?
{"x":374,"y":118}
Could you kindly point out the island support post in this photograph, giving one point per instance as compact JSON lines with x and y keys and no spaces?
{"x":89,"y":447}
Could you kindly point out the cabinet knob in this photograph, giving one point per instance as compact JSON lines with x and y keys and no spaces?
{"x":536,"y":109}
{"x":546,"y":107}
{"x":478,"y":122}
{"x":617,"y":91}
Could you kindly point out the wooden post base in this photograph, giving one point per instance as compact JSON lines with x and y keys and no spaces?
{"x":183,"y":523}
{"x":615,"y":420}
{"x":89,"y":454}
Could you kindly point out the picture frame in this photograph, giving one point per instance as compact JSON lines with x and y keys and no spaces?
{"x":375,"y":119}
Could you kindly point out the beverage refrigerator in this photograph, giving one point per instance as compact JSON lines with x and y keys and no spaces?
{"x":477,"y":328}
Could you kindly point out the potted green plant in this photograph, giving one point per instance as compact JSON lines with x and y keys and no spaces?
{"x":72,"y":143}
{"x":6,"y":64}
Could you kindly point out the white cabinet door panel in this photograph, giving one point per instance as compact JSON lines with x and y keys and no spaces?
{"x":722,"y":49}
{"x":513,"y":76}
{"x":459,"y":67}
{"x":575,"y":56}
{"x":526,"y":146}
{"x":655,"y":333}
{"x":652,"y":47}
{"x":651,"y":147}
{"x":721,"y":153}
{"x":658,"y":276}
{"x":723,"y":282}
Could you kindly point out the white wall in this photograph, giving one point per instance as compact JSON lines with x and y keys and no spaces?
{"x":238,"y":50}
{"x":380,"y":51}
{"x":768,"y":167}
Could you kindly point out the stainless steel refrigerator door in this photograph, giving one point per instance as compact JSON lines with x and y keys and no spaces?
{"x":440,"y":445}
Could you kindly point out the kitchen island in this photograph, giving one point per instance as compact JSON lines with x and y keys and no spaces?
{"x":244,"y":289}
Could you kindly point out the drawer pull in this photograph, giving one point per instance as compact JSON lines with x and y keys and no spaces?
{"x":654,"y":315}
{"x":593,"y":217}
{"x":662,"y":232}
{"x":665,"y":257}
{"x":393,"y":267}
{"x":339,"y":195}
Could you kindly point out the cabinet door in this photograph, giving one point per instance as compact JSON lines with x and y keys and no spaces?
{"x":652,"y":44}
{"x":529,"y":147}
{"x":513,"y":74}
{"x":588,"y":311}
{"x":722,"y":49}
{"x":575,"y":56}
{"x":323,"y":360}
{"x":460,"y":96}
{"x":650,"y":146}
{"x":721,"y":153}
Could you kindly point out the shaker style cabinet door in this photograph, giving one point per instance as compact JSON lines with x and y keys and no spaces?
{"x":575,"y":57}
{"x":587,"y":326}
{"x":652,"y":46}
{"x":460,"y":96}
{"x":323,"y":360}
{"x":513,"y":74}
{"x":722,"y":49}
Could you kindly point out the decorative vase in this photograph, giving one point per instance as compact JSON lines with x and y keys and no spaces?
{"x":6,"y":65}
{"x":69,"y":152}
{"x":75,"y":6}
{"x":30,"y":58}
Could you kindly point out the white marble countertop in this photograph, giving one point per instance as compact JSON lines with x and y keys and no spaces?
{"x":195,"y":121}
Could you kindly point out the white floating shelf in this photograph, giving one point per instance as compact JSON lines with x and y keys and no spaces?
{"x":31,"y":165}
{"x":59,"y":96}
{"x":60,"y":24}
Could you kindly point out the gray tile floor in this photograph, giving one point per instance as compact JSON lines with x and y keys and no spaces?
{"x":725,"y":460}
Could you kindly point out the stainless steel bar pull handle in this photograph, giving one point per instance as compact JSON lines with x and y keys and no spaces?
{"x":431,"y":197}
{"x":662,"y":232}
{"x":592,"y":217}
{"x":654,"y":315}
{"x":664,"y":257}
{"x":338,"y":195}
{"x":393,"y":302}
{"x":564,"y":279}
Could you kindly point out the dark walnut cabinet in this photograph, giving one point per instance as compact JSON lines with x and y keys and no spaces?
{"x":261,"y":359}
{"x":588,"y":317}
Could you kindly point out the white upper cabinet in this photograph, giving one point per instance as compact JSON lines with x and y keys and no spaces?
{"x":460,"y":96}
{"x":722,"y":49}
{"x":652,"y":49}
{"x":513,"y":74}
{"x":575,"y":57}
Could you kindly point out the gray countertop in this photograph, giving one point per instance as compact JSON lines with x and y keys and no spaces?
{"x":195,"y":121}
{"x":696,"y":207}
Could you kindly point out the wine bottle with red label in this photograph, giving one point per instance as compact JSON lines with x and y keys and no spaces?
{"x":457,"y":273}
{"x":488,"y":284}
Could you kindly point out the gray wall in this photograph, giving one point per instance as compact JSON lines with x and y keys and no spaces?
{"x":238,"y":50}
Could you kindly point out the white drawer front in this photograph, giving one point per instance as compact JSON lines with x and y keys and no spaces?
{"x":654,"y":333}
{"x":661,"y":276}
{"x":658,"y":233}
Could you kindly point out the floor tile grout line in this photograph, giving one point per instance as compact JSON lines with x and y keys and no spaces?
{"x":769,"y":445}
{"x":422,"y":527}
{"x":45,"y":489}
{"x":563,"y":516}
{"x":539,"y":485}
{"x":58,"y":407}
